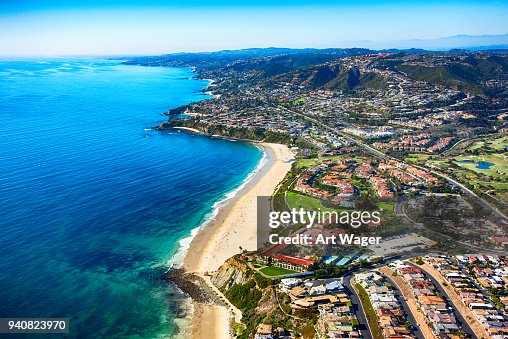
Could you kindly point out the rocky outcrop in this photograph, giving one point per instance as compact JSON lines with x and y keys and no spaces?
{"x":233,"y":271}
{"x":230,"y":132}
{"x":192,"y":285}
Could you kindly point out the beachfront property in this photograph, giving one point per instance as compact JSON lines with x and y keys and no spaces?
{"x":481,"y":282}
{"x":327,"y":297}
{"x":287,"y":262}
{"x":266,"y":331}
{"x":351,"y":171}
{"x":389,"y":313}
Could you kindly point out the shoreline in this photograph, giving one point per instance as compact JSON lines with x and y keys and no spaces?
{"x":177,"y":261}
{"x":220,"y":238}
{"x":232,"y":220}
{"x":241,"y":207}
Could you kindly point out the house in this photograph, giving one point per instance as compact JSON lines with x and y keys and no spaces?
{"x":264,"y":331}
{"x":289,"y":283}
{"x":325,"y":285}
{"x":292,"y":263}
{"x":318,"y":289}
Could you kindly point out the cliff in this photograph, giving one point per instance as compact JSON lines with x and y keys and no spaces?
{"x":233,"y":271}
{"x":258,"y":300}
{"x":244,"y":133}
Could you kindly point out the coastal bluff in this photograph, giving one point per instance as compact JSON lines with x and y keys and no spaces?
{"x":238,"y":133}
{"x":233,"y":271}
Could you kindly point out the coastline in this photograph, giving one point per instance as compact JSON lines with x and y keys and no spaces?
{"x":188,"y":129}
{"x":233,"y":226}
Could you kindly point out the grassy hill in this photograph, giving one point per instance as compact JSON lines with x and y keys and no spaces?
{"x":467,"y":74}
{"x":332,"y":76}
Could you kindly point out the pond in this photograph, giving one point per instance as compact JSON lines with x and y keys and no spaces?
{"x":483,"y":165}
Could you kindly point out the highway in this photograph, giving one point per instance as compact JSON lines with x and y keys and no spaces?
{"x":400,"y":209}
{"x":384,"y":156}
{"x":503,"y":219}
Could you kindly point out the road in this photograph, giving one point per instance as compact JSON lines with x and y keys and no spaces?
{"x":357,"y":305}
{"x":464,"y":325}
{"x":466,"y":190}
{"x":360,"y":313}
{"x":384,"y":156}
{"x":416,"y":326}
{"x":483,"y":290}
{"x":405,"y":306}
{"x":400,"y":209}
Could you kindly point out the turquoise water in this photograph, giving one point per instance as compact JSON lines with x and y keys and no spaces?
{"x":94,"y":203}
{"x":483,"y":165}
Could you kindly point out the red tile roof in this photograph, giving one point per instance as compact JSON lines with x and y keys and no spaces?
{"x":294,"y":260}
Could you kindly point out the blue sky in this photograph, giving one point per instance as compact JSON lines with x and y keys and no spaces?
{"x":96,"y":27}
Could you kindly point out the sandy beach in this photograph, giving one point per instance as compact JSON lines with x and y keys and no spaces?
{"x":188,"y":129}
{"x":232,"y":228}
{"x":211,"y":321}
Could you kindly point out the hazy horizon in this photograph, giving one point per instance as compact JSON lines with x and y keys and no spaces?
{"x":112,"y":28}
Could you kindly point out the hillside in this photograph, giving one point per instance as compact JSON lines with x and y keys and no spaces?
{"x":252,"y":59}
{"x":483,"y":74}
{"x":266,"y":67}
{"x":334,"y":76}
{"x":255,"y":296}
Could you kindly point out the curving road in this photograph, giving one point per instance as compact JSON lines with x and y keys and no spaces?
{"x":357,"y":305}
{"x":384,"y":156}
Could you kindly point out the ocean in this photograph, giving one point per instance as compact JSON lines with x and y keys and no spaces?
{"x":94,"y":204}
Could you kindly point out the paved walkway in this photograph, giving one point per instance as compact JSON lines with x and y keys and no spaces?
{"x":232,"y":308}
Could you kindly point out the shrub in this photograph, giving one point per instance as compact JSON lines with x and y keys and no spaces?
{"x":261,"y":281}
{"x":244,"y":296}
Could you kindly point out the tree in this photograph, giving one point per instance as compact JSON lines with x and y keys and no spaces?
{"x":308,"y":331}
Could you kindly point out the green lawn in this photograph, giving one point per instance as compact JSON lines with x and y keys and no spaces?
{"x":496,"y":177}
{"x":476,"y":145}
{"x":417,"y":157}
{"x":298,"y":201}
{"x":441,"y":164}
{"x":369,"y":312}
{"x":500,"y":164}
{"x":503,"y":196}
{"x":307,"y":162}
{"x":427,"y":160}
{"x":497,"y":144}
{"x":299,"y":101}
{"x":386,"y":206}
{"x":275,"y":271}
